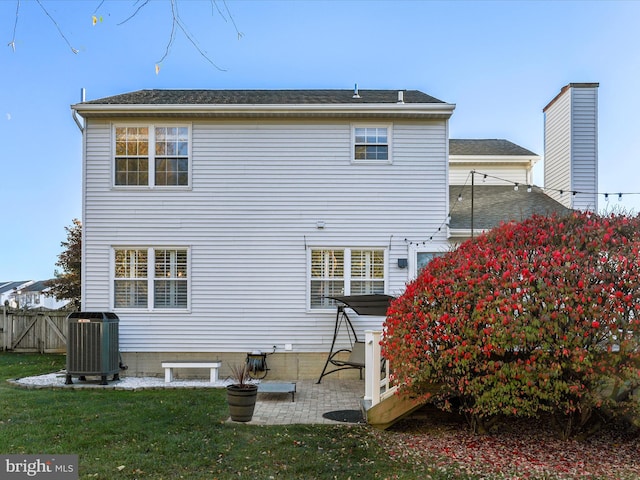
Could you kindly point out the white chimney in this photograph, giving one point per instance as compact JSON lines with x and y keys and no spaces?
{"x":400,"y":96}
{"x":571,"y":146}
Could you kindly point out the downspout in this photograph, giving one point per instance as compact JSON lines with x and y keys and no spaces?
{"x":74,"y":114}
{"x":81,"y":126}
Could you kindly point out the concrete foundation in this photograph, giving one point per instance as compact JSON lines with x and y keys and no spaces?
{"x":282,"y":366}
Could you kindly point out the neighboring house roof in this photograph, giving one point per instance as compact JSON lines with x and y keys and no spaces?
{"x":493,"y":205}
{"x":262,"y":97}
{"x":8,"y":286}
{"x":486,"y":147}
{"x":38,"y":286}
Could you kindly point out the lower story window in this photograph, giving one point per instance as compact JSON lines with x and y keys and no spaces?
{"x":150,"y":276}
{"x":344,"y":271}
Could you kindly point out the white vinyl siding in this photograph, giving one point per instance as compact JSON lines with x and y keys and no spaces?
{"x":557,"y":150}
{"x":258,"y":191}
{"x":585,"y":148}
{"x":496,"y":174}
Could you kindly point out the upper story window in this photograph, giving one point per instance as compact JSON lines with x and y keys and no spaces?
{"x":151,"y":156}
{"x":371,"y":143}
{"x":344,"y":271}
{"x":150,"y":276}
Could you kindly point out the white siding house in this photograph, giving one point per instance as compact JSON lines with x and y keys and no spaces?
{"x":216,"y":222}
{"x":35,"y":295}
{"x":9,"y":292}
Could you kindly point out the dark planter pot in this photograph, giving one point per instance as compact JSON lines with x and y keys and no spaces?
{"x":242,"y":401}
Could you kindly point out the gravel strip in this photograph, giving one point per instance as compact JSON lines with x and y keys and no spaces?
{"x":57,"y":379}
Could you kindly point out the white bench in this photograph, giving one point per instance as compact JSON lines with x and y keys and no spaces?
{"x":212,"y":366}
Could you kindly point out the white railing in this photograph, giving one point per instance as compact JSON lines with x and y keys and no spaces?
{"x":377,"y":386}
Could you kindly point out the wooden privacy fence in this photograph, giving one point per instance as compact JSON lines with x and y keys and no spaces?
{"x":42,"y":331}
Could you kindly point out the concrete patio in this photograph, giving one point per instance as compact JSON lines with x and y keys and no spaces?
{"x":312,"y":400}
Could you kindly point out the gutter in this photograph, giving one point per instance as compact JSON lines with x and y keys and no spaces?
{"x":411,"y":110}
{"x":74,"y":111}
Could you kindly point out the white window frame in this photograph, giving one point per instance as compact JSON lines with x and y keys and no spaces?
{"x":389,"y":144}
{"x":152,"y":155}
{"x":347,"y":278}
{"x":415,"y":249}
{"x":150,"y":278}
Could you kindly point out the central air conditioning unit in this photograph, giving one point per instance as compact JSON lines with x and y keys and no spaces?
{"x":92,"y":346}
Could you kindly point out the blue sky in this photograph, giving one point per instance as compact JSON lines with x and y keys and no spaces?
{"x":499,"y":62}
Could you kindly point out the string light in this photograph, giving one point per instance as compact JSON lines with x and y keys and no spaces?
{"x":516,"y":185}
{"x":560,"y":191}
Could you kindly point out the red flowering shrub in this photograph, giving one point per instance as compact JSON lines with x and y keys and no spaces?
{"x":536,"y":317}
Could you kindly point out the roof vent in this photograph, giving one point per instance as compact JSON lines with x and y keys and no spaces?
{"x":355,"y":91}
{"x":400,"y":96}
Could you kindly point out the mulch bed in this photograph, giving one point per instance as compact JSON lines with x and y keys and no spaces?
{"x":520,"y":449}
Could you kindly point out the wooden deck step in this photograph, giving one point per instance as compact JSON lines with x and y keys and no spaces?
{"x":391,"y":410}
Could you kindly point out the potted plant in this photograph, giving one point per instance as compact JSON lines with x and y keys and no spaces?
{"x":241,"y":394}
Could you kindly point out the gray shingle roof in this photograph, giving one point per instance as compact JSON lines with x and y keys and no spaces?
{"x":37,"y":286}
{"x":261,"y":97}
{"x":495,"y":204}
{"x":7,"y":286}
{"x":486,"y":147}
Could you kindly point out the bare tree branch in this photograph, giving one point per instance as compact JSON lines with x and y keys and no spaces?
{"x":176,"y":21}
{"x":134,"y":13}
{"x":240,"y":34}
{"x":57,"y":26}
{"x":98,"y":7}
{"x":171,"y":38}
{"x":12,"y":43}
{"x":221,"y":13}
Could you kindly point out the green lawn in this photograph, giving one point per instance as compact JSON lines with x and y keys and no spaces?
{"x":167,"y":434}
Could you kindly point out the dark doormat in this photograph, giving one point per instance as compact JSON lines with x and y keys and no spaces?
{"x":347,"y":416}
